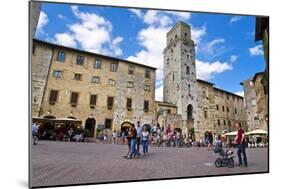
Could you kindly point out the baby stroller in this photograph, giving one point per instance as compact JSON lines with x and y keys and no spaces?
{"x":225,"y":158}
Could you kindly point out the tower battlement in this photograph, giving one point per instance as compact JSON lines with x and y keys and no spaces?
{"x":180,"y":30}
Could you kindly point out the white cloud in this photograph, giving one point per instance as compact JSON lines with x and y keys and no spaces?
{"x":240,"y":93}
{"x":235,"y":19}
{"x":65,"y":39}
{"x":153,"y":17}
{"x":181,"y":15}
{"x":197,"y":34}
{"x":42,"y":21}
{"x":92,"y":32}
{"x":137,"y":12}
{"x":115,"y":46}
{"x":159,"y":93}
{"x":233,"y":58}
{"x":162,"y":18}
{"x":60,"y":16}
{"x":213,"y":43}
{"x":257,"y":50}
{"x":153,"y":41}
{"x":207,"y":70}
{"x":212,"y":49}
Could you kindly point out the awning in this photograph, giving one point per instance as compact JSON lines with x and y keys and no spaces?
{"x":257,"y":132}
{"x":57,"y":120}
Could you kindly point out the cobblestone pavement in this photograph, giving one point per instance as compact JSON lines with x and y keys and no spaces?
{"x":62,"y":163}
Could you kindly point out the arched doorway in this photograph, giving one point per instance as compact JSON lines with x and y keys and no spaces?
{"x":125,"y":126}
{"x":148,"y":127}
{"x":90,"y":126}
{"x":177,"y":130}
{"x":189,"y":112}
{"x":160,"y":119}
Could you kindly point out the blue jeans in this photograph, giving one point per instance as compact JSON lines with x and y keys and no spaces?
{"x":241,"y":149}
{"x":145,"y":146}
{"x":177,"y":142}
{"x":138,"y":141}
{"x":133,"y":148}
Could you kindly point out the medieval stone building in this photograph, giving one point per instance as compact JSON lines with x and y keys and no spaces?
{"x":97,"y":91}
{"x":256,"y":100}
{"x":200,"y":107}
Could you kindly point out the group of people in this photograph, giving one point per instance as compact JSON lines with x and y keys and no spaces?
{"x":135,"y":137}
{"x":157,"y":137}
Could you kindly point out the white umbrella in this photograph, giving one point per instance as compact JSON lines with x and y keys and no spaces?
{"x":234,"y":133}
{"x":257,"y":132}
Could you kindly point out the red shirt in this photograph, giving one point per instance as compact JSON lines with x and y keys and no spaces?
{"x":239,"y":135}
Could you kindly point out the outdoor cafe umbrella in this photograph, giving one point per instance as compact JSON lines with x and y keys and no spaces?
{"x":257,"y":132}
{"x":234,"y":133}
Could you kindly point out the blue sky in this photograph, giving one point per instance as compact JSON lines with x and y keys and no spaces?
{"x":226,"y":53}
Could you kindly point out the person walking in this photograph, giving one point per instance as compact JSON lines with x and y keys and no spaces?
{"x":210,"y":145}
{"x":34,"y":133}
{"x":240,"y":141}
{"x":139,"y":132}
{"x":123,"y":137}
{"x":223,"y":139}
{"x":144,"y":136}
{"x":177,"y":139}
{"x":133,"y":137}
{"x":114,"y":137}
{"x":129,"y":146}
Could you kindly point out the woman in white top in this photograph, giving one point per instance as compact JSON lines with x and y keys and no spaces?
{"x":144,"y":136}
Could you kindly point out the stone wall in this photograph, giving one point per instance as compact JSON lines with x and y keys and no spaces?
{"x":85,"y":87}
{"x":40,"y":65}
{"x":262,"y":102}
{"x":251,"y":104}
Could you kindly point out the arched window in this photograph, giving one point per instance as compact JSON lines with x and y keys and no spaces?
{"x":189,"y":112}
{"x":189,"y":89}
{"x":187,"y":70}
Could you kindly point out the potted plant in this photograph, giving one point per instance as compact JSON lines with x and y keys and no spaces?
{"x":87,"y":137}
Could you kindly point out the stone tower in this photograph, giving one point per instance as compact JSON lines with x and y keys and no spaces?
{"x":180,"y":83}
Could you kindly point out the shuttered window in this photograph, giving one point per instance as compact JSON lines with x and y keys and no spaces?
{"x":74,"y":98}
{"x":61,"y":56}
{"x":110,"y":103}
{"x":146,"y":106}
{"x":53,"y":97}
{"x":93,"y":100}
{"x":131,"y":69}
{"x":129,"y":104}
{"x":113,"y":67}
{"x":108,"y":123}
{"x":147,"y":73}
{"x":80,"y":60}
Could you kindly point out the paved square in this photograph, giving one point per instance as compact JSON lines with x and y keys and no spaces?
{"x":62,"y":163}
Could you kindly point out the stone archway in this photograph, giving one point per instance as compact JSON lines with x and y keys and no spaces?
{"x":178,"y":130}
{"x":125,"y":126}
{"x":148,"y":127}
{"x":90,"y":125}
